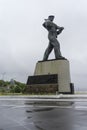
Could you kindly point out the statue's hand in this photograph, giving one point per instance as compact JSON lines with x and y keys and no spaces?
{"x":62,"y":28}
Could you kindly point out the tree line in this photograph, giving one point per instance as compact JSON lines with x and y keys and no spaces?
{"x":8,"y":87}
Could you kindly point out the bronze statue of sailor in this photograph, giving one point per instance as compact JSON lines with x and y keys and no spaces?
{"x":53,"y":32}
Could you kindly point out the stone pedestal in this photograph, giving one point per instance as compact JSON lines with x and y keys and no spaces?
{"x":51,"y":76}
{"x":59,"y":67}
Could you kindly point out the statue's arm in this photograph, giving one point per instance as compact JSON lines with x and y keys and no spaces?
{"x":60,"y":30}
{"x":44,"y":25}
{"x":47,"y":25}
{"x":58,"y":27}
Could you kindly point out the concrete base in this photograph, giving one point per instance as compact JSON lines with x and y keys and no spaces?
{"x":59,"y":67}
{"x":42,"y":89}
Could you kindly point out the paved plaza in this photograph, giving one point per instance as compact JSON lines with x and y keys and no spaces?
{"x":18,"y":113}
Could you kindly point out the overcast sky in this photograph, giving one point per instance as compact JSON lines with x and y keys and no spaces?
{"x":23,"y":40}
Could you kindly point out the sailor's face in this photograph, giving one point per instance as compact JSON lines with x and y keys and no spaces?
{"x":51,"y":18}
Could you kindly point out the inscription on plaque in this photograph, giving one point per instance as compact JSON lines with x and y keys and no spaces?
{"x":43,"y":79}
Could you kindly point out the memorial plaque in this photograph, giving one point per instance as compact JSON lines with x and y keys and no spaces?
{"x":43,"y":79}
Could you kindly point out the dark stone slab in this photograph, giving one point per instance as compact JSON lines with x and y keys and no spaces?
{"x":72,"y":88}
{"x":43,"y":79}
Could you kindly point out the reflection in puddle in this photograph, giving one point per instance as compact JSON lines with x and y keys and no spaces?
{"x":29,"y":117}
{"x":50,"y":104}
{"x":39,"y":110}
{"x":38,"y":127}
{"x":49,"y":116}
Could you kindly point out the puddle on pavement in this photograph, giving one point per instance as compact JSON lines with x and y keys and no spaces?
{"x":39,"y":110}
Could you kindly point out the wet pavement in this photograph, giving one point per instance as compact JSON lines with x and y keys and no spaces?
{"x":23,"y":115}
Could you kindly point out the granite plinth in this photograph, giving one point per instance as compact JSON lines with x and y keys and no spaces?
{"x":59,"y":67}
{"x":51,"y":73}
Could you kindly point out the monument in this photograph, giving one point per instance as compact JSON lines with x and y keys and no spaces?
{"x":51,"y":76}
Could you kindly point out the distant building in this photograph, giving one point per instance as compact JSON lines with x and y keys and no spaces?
{"x":12,"y":82}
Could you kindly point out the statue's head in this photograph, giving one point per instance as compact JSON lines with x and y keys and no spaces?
{"x":51,"y":17}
